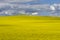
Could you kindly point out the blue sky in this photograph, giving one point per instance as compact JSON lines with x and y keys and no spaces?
{"x":48,"y":1}
{"x":31,"y":4}
{"x":44,"y":1}
{"x":34,"y":1}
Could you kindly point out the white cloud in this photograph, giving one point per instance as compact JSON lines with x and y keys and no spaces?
{"x":20,"y":0}
{"x":52,"y":8}
{"x":35,"y":13}
{"x":43,"y":7}
{"x":15,"y":0}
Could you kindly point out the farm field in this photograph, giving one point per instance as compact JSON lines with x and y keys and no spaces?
{"x":29,"y":28}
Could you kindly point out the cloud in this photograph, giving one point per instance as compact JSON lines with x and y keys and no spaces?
{"x":35,"y":7}
{"x":15,"y":0}
{"x":43,"y":9}
{"x":52,"y":8}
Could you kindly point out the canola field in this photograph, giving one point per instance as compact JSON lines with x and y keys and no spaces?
{"x":29,"y":28}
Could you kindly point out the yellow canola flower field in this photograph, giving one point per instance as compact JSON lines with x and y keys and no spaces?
{"x":29,"y":28}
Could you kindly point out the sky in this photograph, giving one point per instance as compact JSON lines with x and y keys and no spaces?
{"x":32,"y":4}
{"x":48,"y":1}
{"x":33,"y":1}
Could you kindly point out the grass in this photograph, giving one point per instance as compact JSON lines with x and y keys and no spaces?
{"x":29,"y":28}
